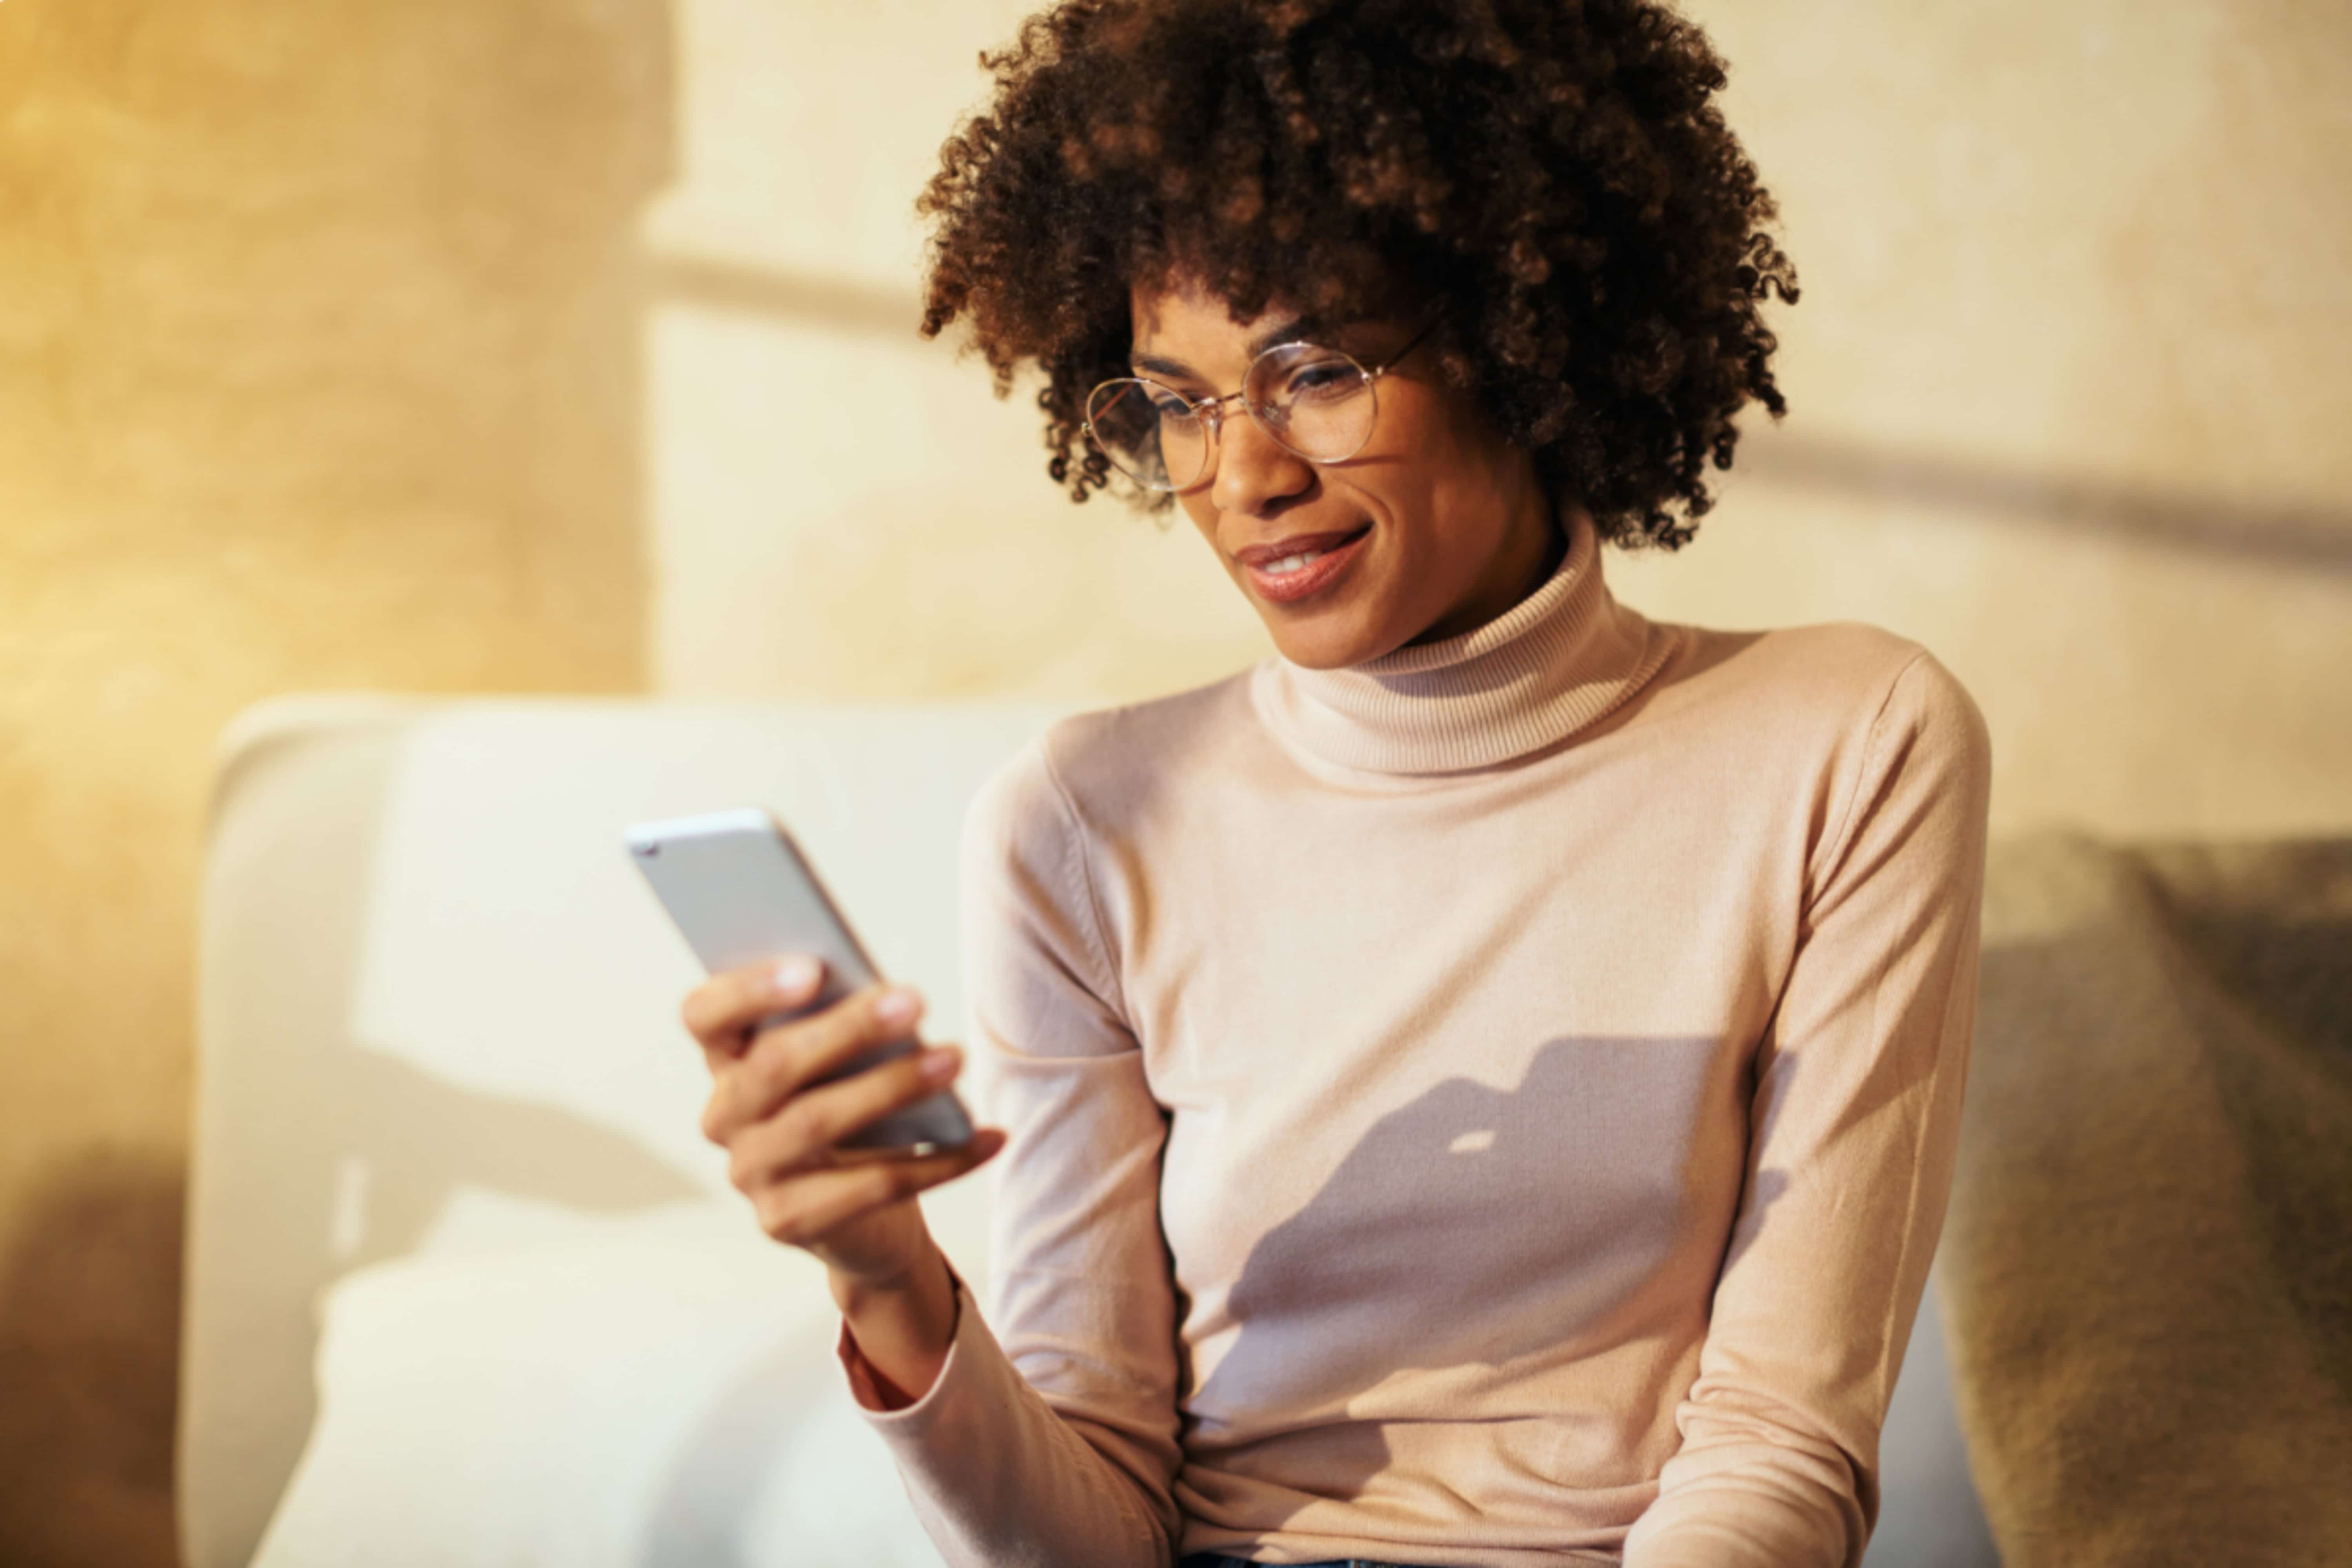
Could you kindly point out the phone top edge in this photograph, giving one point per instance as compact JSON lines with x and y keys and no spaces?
{"x":702,"y":824}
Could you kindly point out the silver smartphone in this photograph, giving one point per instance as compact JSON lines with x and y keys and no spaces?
{"x":742,"y":893}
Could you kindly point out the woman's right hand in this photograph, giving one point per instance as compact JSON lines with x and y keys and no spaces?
{"x":783,"y":1128}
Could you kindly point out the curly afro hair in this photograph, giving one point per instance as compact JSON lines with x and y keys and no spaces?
{"x":1555,"y":172}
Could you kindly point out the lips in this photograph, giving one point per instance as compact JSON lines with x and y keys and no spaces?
{"x":1290,"y":568}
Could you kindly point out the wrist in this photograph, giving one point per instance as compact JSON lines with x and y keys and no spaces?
{"x":923,"y":1278}
{"x":897,"y":1332}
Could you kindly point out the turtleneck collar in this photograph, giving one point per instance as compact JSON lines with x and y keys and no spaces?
{"x":1549,"y":667}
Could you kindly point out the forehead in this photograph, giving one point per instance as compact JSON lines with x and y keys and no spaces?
{"x":1187,"y":312}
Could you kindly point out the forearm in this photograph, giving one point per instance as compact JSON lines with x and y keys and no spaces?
{"x":1734,"y":1500}
{"x":903,"y":1328}
{"x":997,"y":1475}
{"x":1076,"y":1466}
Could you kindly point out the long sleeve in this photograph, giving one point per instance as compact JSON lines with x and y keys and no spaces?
{"x":1055,"y":1443}
{"x":1854,"y":1127}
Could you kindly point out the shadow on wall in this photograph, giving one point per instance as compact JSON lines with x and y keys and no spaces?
{"x":90,"y":1314}
{"x":2285,"y":536}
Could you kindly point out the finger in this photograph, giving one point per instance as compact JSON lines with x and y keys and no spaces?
{"x":787,"y":1058}
{"x":722,"y":1012}
{"x":801,"y":1210}
{"x":808,"y":1126}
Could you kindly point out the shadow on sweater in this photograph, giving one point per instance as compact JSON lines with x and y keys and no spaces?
{"x":1521,"y":1258}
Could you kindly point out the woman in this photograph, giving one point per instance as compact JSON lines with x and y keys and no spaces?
{"x":1481,"y":1085}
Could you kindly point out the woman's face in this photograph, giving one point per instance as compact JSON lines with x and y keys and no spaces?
{"x":1437,"y":527}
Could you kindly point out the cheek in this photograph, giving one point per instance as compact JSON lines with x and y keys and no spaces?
{"x":1480,"y":487}
{"x":1423,"y":423}
{"x":1453,"y":483}
{"x":1202,"y":512}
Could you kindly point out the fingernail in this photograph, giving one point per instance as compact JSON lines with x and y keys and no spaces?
{"x":939,"y":1064}
{"x":896,"y":1006}
{"x":794,"y":975}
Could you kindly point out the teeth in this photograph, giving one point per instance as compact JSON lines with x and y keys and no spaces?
{"x":1291,"y":563}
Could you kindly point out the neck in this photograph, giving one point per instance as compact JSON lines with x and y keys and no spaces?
{"x":1531,"y":551}
{"x":1524,"y":679}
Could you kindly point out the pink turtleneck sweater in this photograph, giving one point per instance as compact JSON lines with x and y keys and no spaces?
{"x":1492,"y":1105}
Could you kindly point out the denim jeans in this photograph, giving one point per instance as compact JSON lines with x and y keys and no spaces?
{"x":1219,"y":1560}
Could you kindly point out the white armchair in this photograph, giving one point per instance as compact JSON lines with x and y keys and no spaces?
{"x":464,"y":1286}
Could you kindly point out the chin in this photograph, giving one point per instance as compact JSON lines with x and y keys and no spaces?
{"x":1356,"y":619}
{"x":1327,"y":642}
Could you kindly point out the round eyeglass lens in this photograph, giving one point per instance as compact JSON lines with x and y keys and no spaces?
{"x":1153,"y":436}
{"x":1317,"y":402}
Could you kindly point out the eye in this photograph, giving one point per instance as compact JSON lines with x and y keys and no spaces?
{"x":1168,"y":404}
{"x":1321,"y":381}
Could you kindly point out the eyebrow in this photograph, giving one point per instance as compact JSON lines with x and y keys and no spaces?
{"x":1177,"y":370}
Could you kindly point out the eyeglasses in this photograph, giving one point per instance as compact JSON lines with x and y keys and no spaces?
{"x":1317,"y":403}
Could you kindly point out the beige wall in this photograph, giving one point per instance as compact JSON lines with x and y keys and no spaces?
{"x":2070,"y":378}
{"x":319,"y":367}
{"x":838,"y":509}
{"x":2071,"y":381}
{"x":333,"y":353}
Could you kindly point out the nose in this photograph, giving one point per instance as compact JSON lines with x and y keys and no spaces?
{"x":1255,"y":471}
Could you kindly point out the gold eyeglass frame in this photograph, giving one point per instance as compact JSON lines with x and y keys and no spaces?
{"x":1212,"y":409}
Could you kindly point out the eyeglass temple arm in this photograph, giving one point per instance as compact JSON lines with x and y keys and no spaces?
{"x":1412,"y":343}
